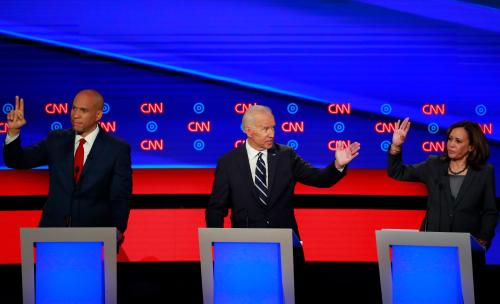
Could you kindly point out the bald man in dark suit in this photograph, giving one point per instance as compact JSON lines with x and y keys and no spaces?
{"x":90,"y":170}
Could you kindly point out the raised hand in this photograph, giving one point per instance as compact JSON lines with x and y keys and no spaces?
{"x":400,"y":132}
{"x":15,"y":118}
{"x":343,"y":156}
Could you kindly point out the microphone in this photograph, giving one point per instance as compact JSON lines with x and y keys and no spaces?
{"x":246,"y":218}
{"x":440,"y":184}
{"x":67,"y":220}
{"x":425,"y":225}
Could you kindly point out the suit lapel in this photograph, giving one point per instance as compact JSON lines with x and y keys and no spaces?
{"x":444,"y":184}
{"x":448,"y":203}
{"x":469,"y":178}
{"x":69,"y":158}
{"x":271,"y":162}
{"x":96,"y":151}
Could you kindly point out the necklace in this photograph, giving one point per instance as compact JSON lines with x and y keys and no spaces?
{"x":457,"y":173}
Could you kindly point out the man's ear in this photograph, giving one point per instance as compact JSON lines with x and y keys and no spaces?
{"x":248,"y":131}
{"x":99,"y":115}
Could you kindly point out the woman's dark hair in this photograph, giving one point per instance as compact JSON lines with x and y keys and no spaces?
{"x":480,"y":149}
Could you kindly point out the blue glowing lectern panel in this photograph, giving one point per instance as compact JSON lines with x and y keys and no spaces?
{"x":69,"y":272}
{"x":426,"y":267}
{"x":426,"y":274}
{"x":72,"y":265}
{"x":247,"y":273}
{"x":247,"y":265}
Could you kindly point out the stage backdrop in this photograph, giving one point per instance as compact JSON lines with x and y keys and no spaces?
{"x":178,"y":76}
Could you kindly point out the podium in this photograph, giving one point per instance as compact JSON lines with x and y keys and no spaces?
{"x":426,"y":267}
{"x":72,"y":265}
{"x":247,"y":265}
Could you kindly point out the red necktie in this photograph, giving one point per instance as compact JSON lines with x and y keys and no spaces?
{"x":78,"y":164}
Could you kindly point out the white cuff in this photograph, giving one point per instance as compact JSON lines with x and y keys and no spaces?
{"x":9,"y":139}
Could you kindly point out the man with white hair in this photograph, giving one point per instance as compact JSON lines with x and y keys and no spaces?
{"x":257,"y":179}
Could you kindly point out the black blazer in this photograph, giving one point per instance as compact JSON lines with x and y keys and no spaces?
{"x":100,"y":199}
{"x":474,"y":210}
{"x":234,"y":188}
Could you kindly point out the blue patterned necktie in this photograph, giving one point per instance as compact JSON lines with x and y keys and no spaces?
{"x":261,"y":180}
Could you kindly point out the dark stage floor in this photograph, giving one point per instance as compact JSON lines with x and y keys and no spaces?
{"x":154,"y":282}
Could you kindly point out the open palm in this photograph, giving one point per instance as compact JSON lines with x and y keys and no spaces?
{"x":344,"y":155}
{"x":400,"y":131}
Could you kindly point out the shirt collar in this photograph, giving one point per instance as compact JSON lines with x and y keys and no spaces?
{"x":89,"y":138}
{"x":252,"y":153}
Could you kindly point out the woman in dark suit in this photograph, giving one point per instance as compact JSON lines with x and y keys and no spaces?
{"x":460,"y":183}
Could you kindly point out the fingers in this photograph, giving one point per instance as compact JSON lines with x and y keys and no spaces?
{"x":355,"y":147}
{"x":355,"y":144}
{"x":18,"y":112}
{"x":405,"y":125}
{"x":21,"y":105}
{"x":338,"y":145}
{"x":15,"y":118}
{"x":15,"y":115}
{"x":19,"y":115}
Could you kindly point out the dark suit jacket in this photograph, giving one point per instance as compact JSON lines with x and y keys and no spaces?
{"x":100,"y":199}
{"x":474,"y":210}
{"x":234,"y":188}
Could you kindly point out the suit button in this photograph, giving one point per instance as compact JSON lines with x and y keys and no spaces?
{"x":450,"y":215}
{"x":267,"y":222}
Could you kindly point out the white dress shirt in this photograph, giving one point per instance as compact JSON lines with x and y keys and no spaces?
{"x":86,"y":147}
{"x":89,"y":142}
